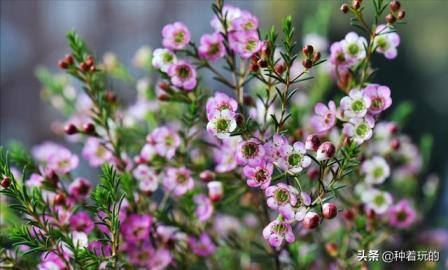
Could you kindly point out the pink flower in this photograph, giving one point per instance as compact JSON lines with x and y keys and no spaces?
{"x":51,"y":261}
{"x":293,"y":158}
{"x":379,"y":97}
{"x":63,"y":161}
{"x":232,"y":13}
{"x":203,"y":246}
{"x":245,"y":44}
{"x":359,"y":129}
{"x":80,"y":189}
{"x":220,"y":102}
{"x":325,"y":151}
{"x":140,"y":255}
{"x":183,"y":75}
{"x":325,"y":117}
{"x":204,"y":207}
{"x":259,"y":175}
{"x":273,"y":148}
{"x":100,"y":248}
{"x":42,"y":152}
{"x":386,"y":41}
{"x":175,"y":36}
{"x":277,"y":231}
{"x":148,"y":181}
{"x":164,"y":141}
{"x":338,"y":57}
{"x":35,"y":180}
{"x":136,"y":227}
{"x":81,"y":222}
{"x":95,"y":152}
{"x":401,"y":215}
{"x":355,"y":104}
{"x":250,"y":152}
{"x":224,"y":156}
{"x":178,"y":180}
{"x":160,"y":259}
{"x":282,"y":197}
{"x":246,"y":22}
{"x":212,"y":47}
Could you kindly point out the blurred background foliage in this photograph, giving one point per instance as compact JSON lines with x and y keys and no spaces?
{"x":33,"y":34}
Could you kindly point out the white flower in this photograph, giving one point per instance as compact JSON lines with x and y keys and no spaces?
{"x":142,"y":57}
{"x":354,"y":46}
{"x":377,"y":200}
{"x":320,"y":43}
{"x":163,"y":58}
{"x":376,"y":170}
{"x":355,"y":104}
{"x":80,"y":239}
{"x":386,"y":41}
{"x":222,"y":124}
{"x":293,"y":158}
{"x":359,"y":129}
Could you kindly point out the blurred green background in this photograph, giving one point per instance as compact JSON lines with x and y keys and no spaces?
{"x":33,"y":33}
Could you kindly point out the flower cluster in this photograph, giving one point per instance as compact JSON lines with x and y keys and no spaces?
{"x":193,"y":178}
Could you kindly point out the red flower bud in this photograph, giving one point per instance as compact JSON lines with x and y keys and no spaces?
{"x":62,"y":64}
{"x":401,"y":14}
{"x":248,"y":100}
{"x":279,"y":68}
{"x":215,"y":190}
{"x":370,"y":213}
{"x":207,"y":176}
{"x":164,"y":85}
{"x":83,"y":66}
{"x":110,"y":97}
{"x":329,"y":210}
{"x":394,"y":5}
{"x":239,"y":119}
{"x":308,"y":50}
{"x":163,"y":97}
{"x":68,"y":58}
{"x":344,"y":8}
{"x":59,"y":199}
{"x":356,"y":4}
{"x":395,"y":144}
{"x":311,"y":221}
{"x":312,"y":142}
{"x":89,"y":128}
{"x":313,"y":174}
{"x":262,"y":63}
{"x":348,"y":214}
{"x":325,"y":151}
{"x":70,"y":129}
{"x":307,"y":63}
{"x":6,"y":181}
{"x":332,"y":249}
{"x":390,"y":19}
{"x":90,"y":61}
{"x":254,"y":67}
{"x":52,"y":178}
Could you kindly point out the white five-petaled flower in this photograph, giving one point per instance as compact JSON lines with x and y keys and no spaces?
{"x":354,"y":46}
{"x":355,"y":104}
{"x":376,"y":170}
{"x":377,"y":200}
{"x":359,"y":129}
{"x":163,"y":58}
{"x":293,"y":158}
{"x":222,"y":124}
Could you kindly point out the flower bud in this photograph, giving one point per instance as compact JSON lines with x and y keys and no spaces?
{"x":316,"y":57}
{"x":83,"y":66}
{"x":390,"y":19}
{"x":370,"y":213}
{"x":207,"y":176}
{"x":393,"y":128}
{"x":89,"y":128}
{"x":395,"y":144}
{"x":110,"y":97}
{"x":344,"y":8}
{"x":279,"y":68}
{"x":308,"y":50}
{"x":329,"y":210}
{"x":59,"y":199}
{"x":325,"y":151}
{"x":52,"y":178}
{"x":248,"y":100}
{"x":215,"y":190}
{"x":68,"y":58}
{"x":254,"y":67}
{"x":401,"y":14}
{"x":70,"y":129}
{"x":311,"y":221}
{"x":394,"y":5}
{"x":356,"y":4}
{"x":92,"y":68}
{"x":307,"y":63}
{"x":348,"y":214}
{"x":89,"y":62}
{"x":164,"y":85}
{"x":239,"y":118}
{"x":6,"y":181}
{"x":332,"y":249}
{"x":312,"y":142}
{"x":313,"y":174}
{"x":163,"y":97}
{"x":62,"y":64}
{"x":262,"y":63}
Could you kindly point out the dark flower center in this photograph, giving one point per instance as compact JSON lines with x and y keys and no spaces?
{"x":377,"y":103}
{"x":183,"y":71}
{"x":402,"y":215}
{"x":282,"y":195}
{"x":250,"y":149}
{"x":261,"y":175}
